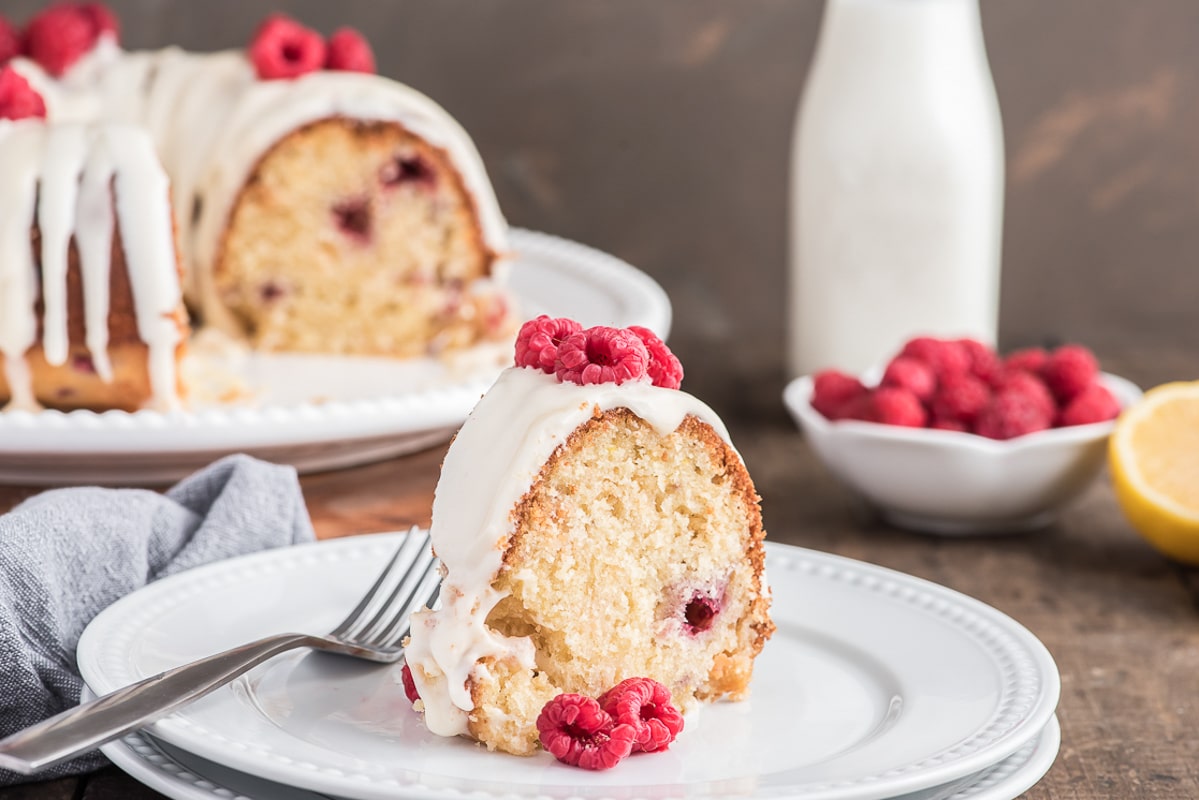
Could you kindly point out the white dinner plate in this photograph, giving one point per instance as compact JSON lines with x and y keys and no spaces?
{"x":323,"y":412}
{"x":181,"y":775}
{"x":875,"y":684}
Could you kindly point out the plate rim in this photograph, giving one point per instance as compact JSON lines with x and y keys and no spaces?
{"x":140,"y":757}
{"x":1024,"y":720}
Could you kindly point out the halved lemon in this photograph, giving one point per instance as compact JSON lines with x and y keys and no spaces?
{"x":1154,"y":458}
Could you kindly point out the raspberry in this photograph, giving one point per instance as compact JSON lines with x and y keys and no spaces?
{"x":1011,"y":414}
{"x":10,"y":41}
{"x":943,"y":356}
{"x":895,"y":406}
{"x":834,"y":392}
{"x":960,"y":398}
{"x":984,"y":364}
{"x":602,"y":355}
{"x":1030,"y":359}
{"x":575,"y":730}
{"x":102,"y":20}
{"x":664,"y":369}
{"x":409,"y":684}
{"x":538,"y":341}
{"x":1030,"y":387}
{"x":1070,"y":369}
{"x":942,"y":424}
{"x":283,"y":48}
{"x":1093,"y":404}
{"x":18,"y":100}
{"x":644,"y":704}
{"x":917,"y":377}
{"x":349,"y":51}
{"x":59,"y":36}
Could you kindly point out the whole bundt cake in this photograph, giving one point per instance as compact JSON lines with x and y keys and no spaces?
{"x":317,"y":208}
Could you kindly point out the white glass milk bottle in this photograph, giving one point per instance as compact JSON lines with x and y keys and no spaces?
{"x":897,"y":184}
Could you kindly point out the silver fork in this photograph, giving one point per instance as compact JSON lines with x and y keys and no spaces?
{"x":374,"y":630}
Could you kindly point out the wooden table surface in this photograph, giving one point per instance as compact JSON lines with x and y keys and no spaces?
{"x":1119,"y":619}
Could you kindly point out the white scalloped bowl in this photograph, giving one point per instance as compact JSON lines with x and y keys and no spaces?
{"x":954,"y":483}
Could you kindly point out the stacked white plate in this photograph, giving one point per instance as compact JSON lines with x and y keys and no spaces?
{"x":877,"y":685}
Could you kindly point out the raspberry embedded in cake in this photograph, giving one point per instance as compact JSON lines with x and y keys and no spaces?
{"x":700,"y":612}
{"x":354,"y":219}
{"x":407,"y":170}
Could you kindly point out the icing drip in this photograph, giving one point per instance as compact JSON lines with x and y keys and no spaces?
{"x":74,"y":170}
{"x":494,"y":459}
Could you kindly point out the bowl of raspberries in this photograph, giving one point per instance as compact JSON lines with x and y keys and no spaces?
{"x":951,"y":437}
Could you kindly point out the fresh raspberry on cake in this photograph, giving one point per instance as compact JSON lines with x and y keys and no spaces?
{"x":909,"y":373}
{"x":664,"y":368}
{"x":960,"y":398}
{"x":283,"y":48}
{"x":349,"y":51}
{"x":895,"y":406}
{"x":1028,"y":359}
{"x":1070,"y":369}
{"x":602,"y":355}
{"x":18,"y":100}
{"x":575,"y":730}
{"x":835,"y":392}
{"x":59,"y":36}
{"x":644,"y":704}
{"x":1011,"y":414}
{"x":10,"y":41}
{"x":945,"y":357}
{"x":1093,"y":404}
{"x":102,"y":20}
{"x":538,"y":340}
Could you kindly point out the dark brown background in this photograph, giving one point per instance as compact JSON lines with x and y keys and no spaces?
{"x":659,"y":130}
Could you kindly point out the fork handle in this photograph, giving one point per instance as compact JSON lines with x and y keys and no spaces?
{"x":85,"y":727}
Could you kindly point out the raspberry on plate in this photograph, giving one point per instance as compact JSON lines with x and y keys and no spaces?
{"x":984,"y":363}
{"x":644,"y":704}
{"x":575,"y":730}
{"x":1030,"y":387}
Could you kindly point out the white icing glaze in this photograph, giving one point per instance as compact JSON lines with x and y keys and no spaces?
{"x":73,"y":170}
{"x":494,"y":459}
{"x":209,"y":120}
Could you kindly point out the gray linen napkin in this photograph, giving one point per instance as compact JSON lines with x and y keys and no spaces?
{"x":67,"y":554}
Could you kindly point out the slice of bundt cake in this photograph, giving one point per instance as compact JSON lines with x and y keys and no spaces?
{"x":91,"y":312}
{"x":595,"y":524}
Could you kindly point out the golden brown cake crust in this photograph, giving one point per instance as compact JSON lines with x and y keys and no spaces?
{"x":729,"y":670}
